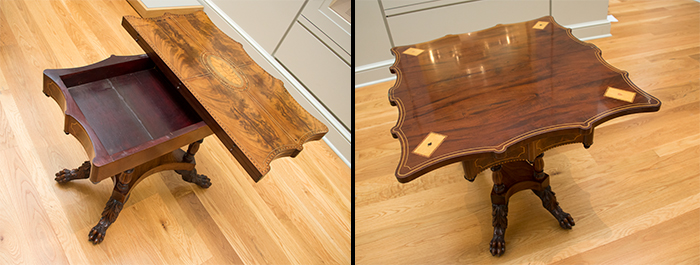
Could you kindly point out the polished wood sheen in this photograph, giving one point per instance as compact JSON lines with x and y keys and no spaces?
{"x":634,"y":194}
{"x":249,"y":110}
{"x":503,"y":94}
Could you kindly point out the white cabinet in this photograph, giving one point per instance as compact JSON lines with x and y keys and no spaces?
{"x":587,"y":18}
{"x":317,"y":50}
{"x":332,"y":24}
{"x":324,"y":73}
{"x":264,"y":20}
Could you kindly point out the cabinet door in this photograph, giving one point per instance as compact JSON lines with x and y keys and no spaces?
{"x":332,"y":19}
{"x":265,"y":21}
{"x":371,"y":37}
{"x":321,"y":71}
{"x":428,"y":24}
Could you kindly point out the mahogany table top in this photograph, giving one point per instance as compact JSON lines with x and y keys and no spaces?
{"x":249,"y":110}
{"x":484,"y":92}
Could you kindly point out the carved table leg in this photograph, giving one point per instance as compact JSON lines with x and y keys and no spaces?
{"x":499,"y":202}
{"x":180,"y":161}
{"x":81,"y":172}
{"x":498,"y":186}
{"x":513,"y":177}
{"x":191,"y":175}
{"x":120,"y":194}
{"x":539,"y":167}
{"x":468,"y":174}
{"x":549,"y":201}
{"x":497,"y":246}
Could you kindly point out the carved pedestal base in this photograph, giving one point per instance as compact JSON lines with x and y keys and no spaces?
{"x":182,"y":162}
{"x":511,"y":178}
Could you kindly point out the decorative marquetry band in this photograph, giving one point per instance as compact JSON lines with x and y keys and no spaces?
{"x":224,"y":71}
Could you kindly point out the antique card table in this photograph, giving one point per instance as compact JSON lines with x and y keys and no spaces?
{"x":133,"y":113}
{"x":500,"y":97}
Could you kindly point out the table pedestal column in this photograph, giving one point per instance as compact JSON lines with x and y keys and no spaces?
{"x":510,"y":178}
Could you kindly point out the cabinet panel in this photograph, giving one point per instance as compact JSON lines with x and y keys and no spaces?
{"x":319,"y":69}
{"x":433,"y":23}
{"x":371,"y":38}
{"x":568,"y":12}
{"x":396,"y":7}
{"x":329,"y":22}
{"x":265,"y":21}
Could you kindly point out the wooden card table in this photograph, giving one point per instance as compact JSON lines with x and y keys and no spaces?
{"x":133,"y":113}
{"x":500,"y":97}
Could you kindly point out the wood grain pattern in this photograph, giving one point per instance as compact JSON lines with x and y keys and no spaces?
{"x":496,"y":93}
{"x":635,"y":193}
{"x":249,"y":110}
{"x":166,"y":220}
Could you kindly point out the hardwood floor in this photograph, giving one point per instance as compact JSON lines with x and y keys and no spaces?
{"x":635,"y":194}
{"x":299,"y":213}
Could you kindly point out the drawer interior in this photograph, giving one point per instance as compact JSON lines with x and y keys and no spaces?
{"x":128,"y":104}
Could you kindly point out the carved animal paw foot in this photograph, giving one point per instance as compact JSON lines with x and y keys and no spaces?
{"x":97,"y":233}
{"x":201,"y":180}
{"x":81,"y":172}
{"x":65,"y":175}
{"x":498,"y":243}
{"x":192,"y":177}
{"x":109,"y":215}
{"x":565,"y":219}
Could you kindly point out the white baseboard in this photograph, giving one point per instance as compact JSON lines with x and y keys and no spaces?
{"x":375,"y":82}
{"x":591,"y":29}
{"x":341,"y":138}
{"x":373,"y":73}
{"x":596,"y":37}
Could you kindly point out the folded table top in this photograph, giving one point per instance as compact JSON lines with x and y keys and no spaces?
{"x":249,"y":110}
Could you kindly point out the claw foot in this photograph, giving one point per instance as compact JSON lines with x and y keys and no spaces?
{"x":81,"y":172}
{"x":109,"y":215}
{"x":565,"y":219}
{"x":201,"y":180}
{"x":97,"y":233}
{"x":192,"y":177}
{"x":549,"y":201}
{"x":498,"y":243}
{"x":500,"y":223}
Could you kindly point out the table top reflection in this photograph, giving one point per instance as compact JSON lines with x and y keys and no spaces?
{"x":486,"y":91}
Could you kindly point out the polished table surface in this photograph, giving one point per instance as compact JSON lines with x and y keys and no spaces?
{"x":499,"y":98}
{"x":248,"y":109}
{"x":490,"y":91}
